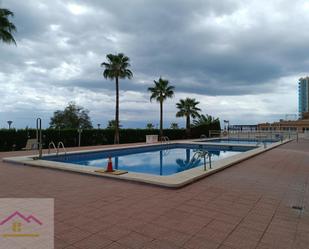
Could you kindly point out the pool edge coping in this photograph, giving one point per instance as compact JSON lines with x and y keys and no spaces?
{"x":178,"y":180}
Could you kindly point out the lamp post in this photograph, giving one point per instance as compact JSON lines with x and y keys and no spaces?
{"x":9,"y":123}
{"x":79,"y":136}
{"x":228,"y":124}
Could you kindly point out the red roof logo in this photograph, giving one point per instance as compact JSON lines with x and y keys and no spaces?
{"x":28,"y":219}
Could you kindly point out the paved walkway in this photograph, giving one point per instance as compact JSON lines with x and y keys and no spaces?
{"x":245,"y":206}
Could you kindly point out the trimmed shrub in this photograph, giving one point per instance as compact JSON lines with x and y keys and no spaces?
{"x":16,"y":139}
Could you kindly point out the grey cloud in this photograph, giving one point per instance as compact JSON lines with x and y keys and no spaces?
{"x":183,"y":41}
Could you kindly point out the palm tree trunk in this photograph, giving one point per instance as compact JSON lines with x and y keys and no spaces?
{"x":188,"y":126}
{"x":161,"y":119}
{"x":116,"y":138}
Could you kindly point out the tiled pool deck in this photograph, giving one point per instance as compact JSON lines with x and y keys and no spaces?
{"x":245,"y":206}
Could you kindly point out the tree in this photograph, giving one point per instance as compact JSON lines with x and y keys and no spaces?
{"x":72,"y":117}
{"x":111,"y":124}
{"x":160,"y":92}
{"x":6,"y":27}
{"x":149,"y":126}
{"x":174,"y":126}
{"x":188,"y":108}
{"x":116,"y":68}
{"x":205,"y":120}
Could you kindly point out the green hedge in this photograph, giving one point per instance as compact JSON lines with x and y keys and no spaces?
{"x":17,"y":139}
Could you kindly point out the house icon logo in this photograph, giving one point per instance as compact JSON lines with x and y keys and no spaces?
{"x":18,"y":224}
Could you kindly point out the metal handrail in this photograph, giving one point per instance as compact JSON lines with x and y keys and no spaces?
{"x":58,"y":148}
{"x":166,"y":152}
{"x":204,"y":155}
{"x":39,"y":136}
{"x":53,"y":145}
{"x":276,"y":134}
{"x":262,"y":142}
{"x":165,"y":139}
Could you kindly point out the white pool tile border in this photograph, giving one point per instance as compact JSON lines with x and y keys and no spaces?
{"x":171,"y":181}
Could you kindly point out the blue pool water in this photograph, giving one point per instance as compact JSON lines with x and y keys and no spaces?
{"x":237,"y":141}
{"x":157,"y":160}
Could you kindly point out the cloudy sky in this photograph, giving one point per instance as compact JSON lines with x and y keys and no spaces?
{"x":241,"y":59}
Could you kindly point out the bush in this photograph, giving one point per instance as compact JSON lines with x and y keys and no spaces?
{"x":16,"y":139}
{"x":197,"y":131}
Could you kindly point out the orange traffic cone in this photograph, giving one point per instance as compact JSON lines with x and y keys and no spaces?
{"x":109,"y":165}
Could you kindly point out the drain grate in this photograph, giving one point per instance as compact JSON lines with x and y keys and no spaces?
{"x":298,"y":208}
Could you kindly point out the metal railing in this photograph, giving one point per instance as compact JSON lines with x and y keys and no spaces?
{"x":52,"y":144}
{"x":39,"y":135}
{"x":60,"y":144}
{"x":255,"y":135}
{"x":202,"y":154}
{"x":165,"y":140}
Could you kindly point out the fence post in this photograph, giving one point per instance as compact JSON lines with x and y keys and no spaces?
{"x":297,"y":137}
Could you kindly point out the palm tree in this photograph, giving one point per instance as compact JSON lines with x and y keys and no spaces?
{"x":205,"y":120}
{"x":116,"y":68}
{"x":174,"y":126}
{"x":111,"y":124}
{"x":160,"y":92}
{"x":188,"y":108}
{"x":149,"y":126}
{"x":6,"y":27}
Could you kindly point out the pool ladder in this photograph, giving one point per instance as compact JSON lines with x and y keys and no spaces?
{"x":51,"y":144}
{"x":165,"y":140}
{"x":261,"y":142}
{"x":202,"y":154}
{"x":60,"y":145}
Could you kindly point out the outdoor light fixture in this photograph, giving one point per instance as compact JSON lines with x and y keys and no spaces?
{"x":9,"y":123}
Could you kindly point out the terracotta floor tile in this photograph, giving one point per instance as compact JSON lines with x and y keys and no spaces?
{"x":152,"y":230}
{"x":201,"y":243}
{"x":229,"y":210}
{"x":176,"y":237}
{"x":134,"y":240}
{"x":114,"y":233}
{"x":240,"y":242}
{"x":160,"y":244}
{"x":247,"y":233}
{"x":224,"y":247}
{"x":212,"y":235}
{"x":115,"y":245}
{"x":73,"y":235}
{"x":95,"y":241}
{"x":60,"y":244}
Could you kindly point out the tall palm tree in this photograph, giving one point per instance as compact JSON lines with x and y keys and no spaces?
{"x":6,"y":27}
{"x":188,"y":108}
{"x":160,"y":92}
{"x":116,"y":68}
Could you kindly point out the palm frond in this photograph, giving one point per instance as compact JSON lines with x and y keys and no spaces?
{"x":6,"y":27}
{"x":117,"y":66}
{"x":161,"y":90}
{"x":188,"y":107}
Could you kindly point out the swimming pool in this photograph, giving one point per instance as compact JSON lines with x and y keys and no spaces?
{"x":239,"y":141}
{"x":157,"y":159}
